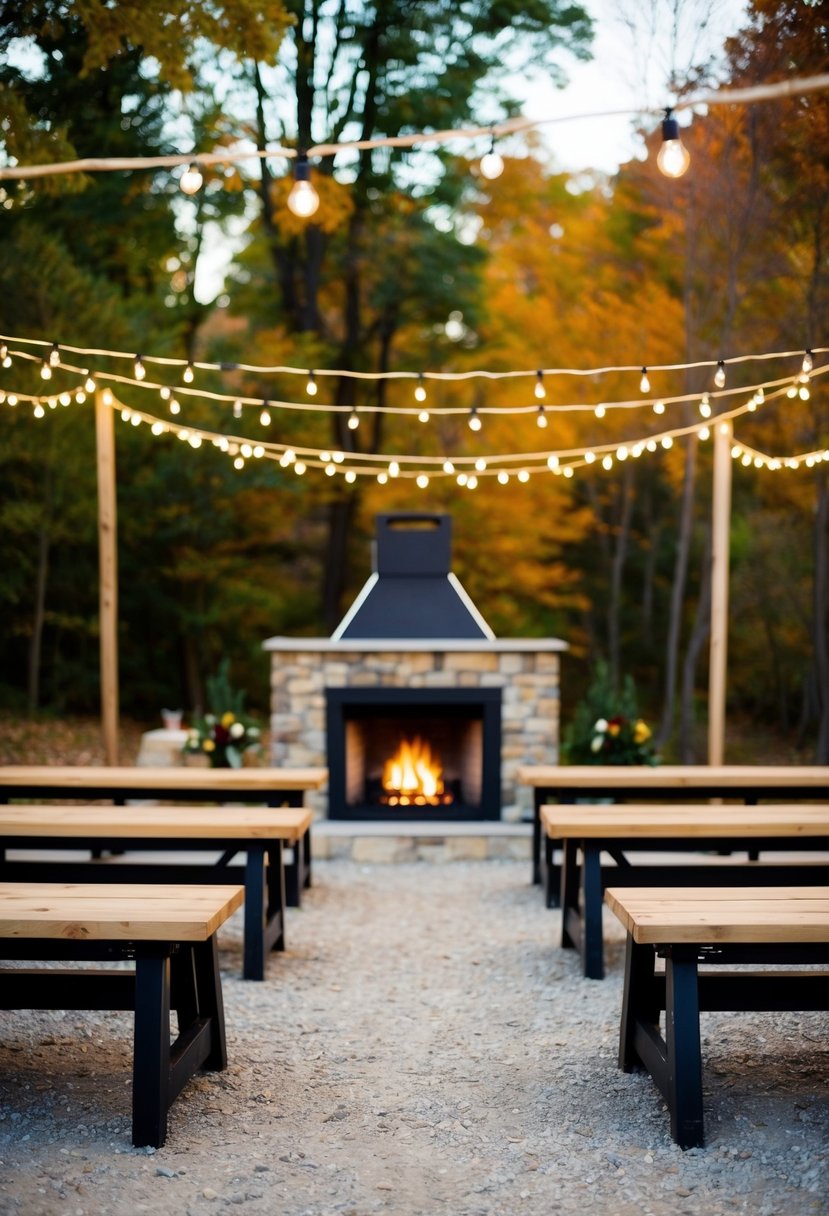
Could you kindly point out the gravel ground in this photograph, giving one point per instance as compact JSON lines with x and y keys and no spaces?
{"x":423,"y":1046}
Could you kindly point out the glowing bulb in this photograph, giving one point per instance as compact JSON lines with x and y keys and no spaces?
{"x":523,"y":475}
{"x":568,"y":470}
{"x":89,"y":384}
{"x":808,"y":362}
{"x":552,"y":463}
{"x":237,"y":409}
{"x":589,"y":457}
{"x":705,"y":406}
{"x":492,"y":164}
{"x":659,"y":407}
{"x":194,"y":441}
{"x":65,"y":399}
{"x":330,"y":470}
{"x":703,"y":432}
{"x":351,"y":476}
{"x":667,"y":441}
{"x":353,"y":421}
{"x":791,"y":391}
{"x":503,"y":477}
{"x":719,"y":375}
{"x":540,"y":390}
{"x":644,"y":383}
{"x":54,"y":355}
{"x":760,"y":396}
{"x":157,"y":428}
{"x":238,"y":463}
{"x":394,"y":469}
{"x":474,"y":420}
{"x":600,"y":411}
{"x":448,"y":467}
{"x":622,"y":453}
{"x":38,"y":411}
{"x":607,"y":462}
{"x":191,"y":180}
{"x":311,"y":386}
{"x":299,"y":467}
{"x":461,"y":479}
{"x":480,"y":464}
{"x":338,"y":457}
{"x":164,"y":393}
{"x":188,"y":374}
{"x":422,"y":480}
{"x":303,"y":199}
{"x":80,"y":396}
{"x":423,"y":416}
{"x":265,"y":418}
{"x":673,"y":157}
{"x":803,"y":392}
{"x":541,"y":417}
{"x":420,"y":390}
{"x":45,"y":371}
{"x":246,"y":450}
{"x":175,"y":408}
{"x":382,"y":478}
{"x":139,"y":371}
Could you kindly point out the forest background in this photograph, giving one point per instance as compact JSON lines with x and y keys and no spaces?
{"x":413,"y":262}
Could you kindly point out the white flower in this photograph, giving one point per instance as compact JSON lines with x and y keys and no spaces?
{"x":237,"y":730}
{"x":601,"y":727}
{"x":596,"y":743}
{"x":253,"y":731}
{"x":210,"y":719}
{"x":193,"y":736}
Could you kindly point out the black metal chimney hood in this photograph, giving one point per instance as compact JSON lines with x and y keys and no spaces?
{"x":412,"y":593}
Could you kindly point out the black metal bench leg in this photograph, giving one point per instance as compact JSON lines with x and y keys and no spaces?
{"x":536,"y":858}
{"x":151,"y":1051}
{"x":640,"y":1003}
{"x":276,"y":899}
{"x":210,"y":1003}
{"x":684,"y":1061}
{"x":254,"y":915}
{"x":552,"y":874}
{"x":591,"y":911}
{"x":570,"y":894}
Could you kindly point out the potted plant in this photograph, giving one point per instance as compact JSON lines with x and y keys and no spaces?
{"x":225,"y":732}
{"x":606,"y":727}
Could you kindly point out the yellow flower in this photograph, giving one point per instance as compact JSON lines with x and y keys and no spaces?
{"x":641,"y":732}
{"x":209,"y":745}
{"x":228,"y":719}
{"x":613,"y":728}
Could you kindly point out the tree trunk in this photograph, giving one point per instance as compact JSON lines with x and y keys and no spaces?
{"x":625,"y":510}
{"x":38,"y":616}
{"x":699,"y":635}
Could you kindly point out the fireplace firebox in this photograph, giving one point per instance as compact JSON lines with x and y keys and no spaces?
{"x":414,"y":753}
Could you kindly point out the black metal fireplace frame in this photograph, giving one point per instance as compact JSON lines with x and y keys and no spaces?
{"x":340,"y":701}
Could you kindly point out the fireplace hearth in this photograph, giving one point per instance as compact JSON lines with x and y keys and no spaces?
{"x":414,"y":675}
{"x":460,"y":729}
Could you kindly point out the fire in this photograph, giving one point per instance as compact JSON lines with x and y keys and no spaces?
{"x":414,"y":776}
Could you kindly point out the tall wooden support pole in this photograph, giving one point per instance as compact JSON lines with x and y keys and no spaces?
{"x":108,"y":575}
{"x":720,"y":553}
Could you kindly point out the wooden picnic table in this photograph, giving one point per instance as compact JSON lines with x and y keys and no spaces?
{"x":712,"y":927}
{"x":169,"y":932}
{"x":748,"y":783}
{"x":587,"y":833}
{"x":258,"y":832}
{"x":122,"y":783}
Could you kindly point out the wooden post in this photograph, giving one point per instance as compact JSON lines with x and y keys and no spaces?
{"x":720,"y":553}
{"x":108,"y":575}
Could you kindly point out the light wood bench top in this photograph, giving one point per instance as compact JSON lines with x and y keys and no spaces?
{"x":708,"y":915}
{"x":626,"y":820}
{"x":673,"y":776}
{"x":173,"y":822}
{"x":128,"y":912}
{"x":146,"y":778}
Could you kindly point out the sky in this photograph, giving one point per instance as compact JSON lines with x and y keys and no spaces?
{"x":625,"y":73}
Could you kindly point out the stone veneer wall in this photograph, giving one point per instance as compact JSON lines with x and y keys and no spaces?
{"x":529,"y":712}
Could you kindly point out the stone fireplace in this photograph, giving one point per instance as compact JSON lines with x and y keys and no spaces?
{"x":435,"y":694}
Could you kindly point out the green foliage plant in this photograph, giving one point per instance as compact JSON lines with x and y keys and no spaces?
{"x":606,"y":727}
{"x":224,"y":733}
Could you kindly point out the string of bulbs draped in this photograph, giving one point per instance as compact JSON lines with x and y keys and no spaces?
{"x":715,"y":407}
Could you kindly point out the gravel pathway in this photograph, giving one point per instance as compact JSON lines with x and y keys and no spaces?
{"x":423,"y":1047}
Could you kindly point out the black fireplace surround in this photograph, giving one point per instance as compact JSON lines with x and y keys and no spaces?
{"x":464,"y":724}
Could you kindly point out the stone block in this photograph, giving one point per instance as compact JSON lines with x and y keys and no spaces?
{"x":382,"y":850}
{"x":471,"y":661}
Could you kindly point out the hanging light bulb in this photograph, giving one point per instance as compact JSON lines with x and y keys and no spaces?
{"x":492,"y":164}
{"x":351,"y":476}
{"x":188,"y":374}
{"x":705,"y":406}
{"x":353,"y":421}
{"x":600,"y":411}
{"x":5,"y":357}
{"x":448,"y":467}
{"x":54,"y":355}
{"x":311,"y":386}
{"x":503,"y":477}
{"x":303,"y":199}
{"x":175,"y":408}
{"x":420,"y":390}
{"x":89,"y":384}
{"x":474,"y":420}
{"x":808,"y":362}
{"x":673,"y":158}
{"x":139,"y":371}
{"x":644,"y":383}
{"x":237,"y":409}
{"x":423,"y":416}
{"x":191,"y":180}
{"x":264,"y":417}
{"x":659,"y":407}
{"x":540,"y":390}
{"x":394,"y":469}
{"x":541,"y":417}
{"x":422,"y":480}
{"x":45,"y":370}
{"x":719,"y":374}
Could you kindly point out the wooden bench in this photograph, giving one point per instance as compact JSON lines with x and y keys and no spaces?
{"x":258,"y":832}
{"x":169,"y":932}
{"x":750,"y":783}
{"x":588,"y":832}
{"x":760,"y":925}
{"x":272,"y":786}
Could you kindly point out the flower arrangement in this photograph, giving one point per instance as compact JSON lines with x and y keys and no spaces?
{"x":224,"y":733}
{"x":606,"y":727}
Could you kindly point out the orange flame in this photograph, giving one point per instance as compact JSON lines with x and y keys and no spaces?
{"x":414,"y":773}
